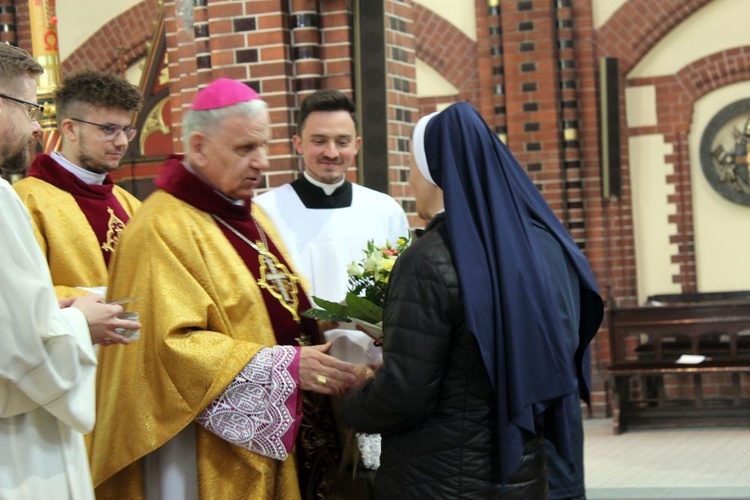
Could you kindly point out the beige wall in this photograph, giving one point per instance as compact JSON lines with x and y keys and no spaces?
{"x":79,"y":19}
{"x":653,"y":251}
{"x":720,"y":25}
{"x":603,"y":10}
{"x":430,"y":83}
{"x":722,"y":228}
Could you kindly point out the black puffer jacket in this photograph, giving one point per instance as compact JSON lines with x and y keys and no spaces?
{"x":432,"y":399}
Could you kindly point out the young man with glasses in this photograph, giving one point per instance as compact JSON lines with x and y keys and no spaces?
{"x":78,"y":212}
{"x":47,"y":361}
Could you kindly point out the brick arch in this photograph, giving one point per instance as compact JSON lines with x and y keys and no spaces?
{"x":676,"y":94}
{"x":638,"y":25}
{"x":117,"y":44}
{"x":675,"y":100}
{"x":712,"y":72}
{"x":447,"y":50}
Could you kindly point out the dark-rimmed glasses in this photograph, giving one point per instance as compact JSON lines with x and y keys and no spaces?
{"x":111,"y":131}
{"x":35,"y":110}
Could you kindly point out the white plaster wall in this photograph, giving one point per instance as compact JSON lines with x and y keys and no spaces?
{"x":641,"y":106}
{"x":430,"y":83}
{"x":719,"y":25}
{"x":651,"y":211}
{"x":79,"y":19}
{"x":722,"y":228}
{"x":602,"y":10}
{"x":460,"y":13}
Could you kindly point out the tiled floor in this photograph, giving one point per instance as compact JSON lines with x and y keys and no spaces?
{"x":695,"y":463}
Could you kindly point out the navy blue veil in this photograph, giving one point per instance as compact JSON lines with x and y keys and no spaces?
{"x":490,"y":206}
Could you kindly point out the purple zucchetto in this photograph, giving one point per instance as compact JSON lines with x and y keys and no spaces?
{"x":222,"y":93}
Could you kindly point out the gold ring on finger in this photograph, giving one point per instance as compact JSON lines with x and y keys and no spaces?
{"x":322,"y":380}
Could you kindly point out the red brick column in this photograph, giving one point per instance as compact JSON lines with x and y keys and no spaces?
{"x":8,"y":22}
{"x":337,"y":50}
{"x":23,"y":28}
{"x":403,"y":106}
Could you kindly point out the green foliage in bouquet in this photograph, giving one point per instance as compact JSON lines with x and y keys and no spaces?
{"x":367,"y":282}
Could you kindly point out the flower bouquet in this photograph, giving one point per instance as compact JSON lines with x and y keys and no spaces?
{"x":365,"y":296}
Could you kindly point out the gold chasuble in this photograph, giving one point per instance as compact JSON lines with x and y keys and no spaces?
{"x":203,"y":318}
{"x":63,"y":209}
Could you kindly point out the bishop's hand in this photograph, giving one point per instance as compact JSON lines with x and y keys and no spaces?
{"x":322,"y":373}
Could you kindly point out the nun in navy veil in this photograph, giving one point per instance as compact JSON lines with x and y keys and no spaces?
{"x":487,"y":322}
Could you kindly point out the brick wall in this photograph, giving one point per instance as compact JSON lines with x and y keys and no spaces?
{"x":403,"y":105}
{"x":8,"y":22}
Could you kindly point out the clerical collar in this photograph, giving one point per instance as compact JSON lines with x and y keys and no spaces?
{"x":176,"y":180}
{"x":233,"y":201}
{"x":313,"y":195}
{"x":328,"y":189}
{"x":83,"y":174}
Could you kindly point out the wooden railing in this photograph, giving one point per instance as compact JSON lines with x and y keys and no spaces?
{"x":650,"y":382}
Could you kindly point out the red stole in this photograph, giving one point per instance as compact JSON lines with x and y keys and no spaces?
{"x":102,"y":209}
{"x":176,"y":180}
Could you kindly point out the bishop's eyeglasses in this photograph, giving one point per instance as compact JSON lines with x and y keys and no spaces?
{"x":35,"y":110}
{"x":111,"y":131}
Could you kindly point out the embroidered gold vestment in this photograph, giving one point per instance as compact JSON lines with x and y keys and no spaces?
{"x":203,"y":318}
{"x":70,"y":245}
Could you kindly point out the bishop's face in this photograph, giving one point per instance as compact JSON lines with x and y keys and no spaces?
{"x":17,"y":131}
{"x":231,"y":158}
{"x":328,"y":145}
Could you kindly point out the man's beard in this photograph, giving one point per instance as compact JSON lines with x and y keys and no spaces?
{"x":17,"y":162}
{"x":88,"y":162}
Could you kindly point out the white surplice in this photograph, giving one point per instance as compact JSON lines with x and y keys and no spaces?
{"x":322,"y":242}
{"x":47,"y":372}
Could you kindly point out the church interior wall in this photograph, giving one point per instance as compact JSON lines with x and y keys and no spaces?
{"x":708,"y":30}
{"x":462,"y":18}
{"x":665,"y":64}
{"x":721,"y":235}
{"x":602,"y":10}
{"x":80,"y":19}
{"x":651,"y":206}
{"x":430,"y":83}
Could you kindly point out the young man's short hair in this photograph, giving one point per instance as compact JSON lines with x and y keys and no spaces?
{"x":96,"y":88}
{"x":325,"y":100}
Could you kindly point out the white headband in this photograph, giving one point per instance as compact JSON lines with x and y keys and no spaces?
{"x":417,"y":146}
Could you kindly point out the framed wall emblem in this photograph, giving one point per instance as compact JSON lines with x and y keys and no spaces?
{"x":724,"y":152}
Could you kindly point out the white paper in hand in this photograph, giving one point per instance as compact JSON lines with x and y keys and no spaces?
{"x":353,"y":346}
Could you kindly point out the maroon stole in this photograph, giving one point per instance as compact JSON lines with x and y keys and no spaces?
{"x":102,"y":209}
{"x":176,"y":180}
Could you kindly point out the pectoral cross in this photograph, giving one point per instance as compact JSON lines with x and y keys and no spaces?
{"x":283,"y":284}
{"x":277,"y":278}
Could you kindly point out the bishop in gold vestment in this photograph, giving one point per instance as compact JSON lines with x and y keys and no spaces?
{"x":216,"y":297}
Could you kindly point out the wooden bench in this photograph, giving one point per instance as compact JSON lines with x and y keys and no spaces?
{"x":649,"y":386}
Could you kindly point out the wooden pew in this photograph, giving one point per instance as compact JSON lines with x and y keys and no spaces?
{"x":649,"y":386}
